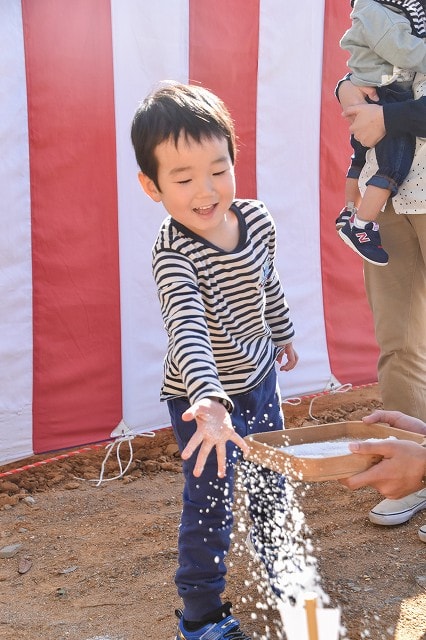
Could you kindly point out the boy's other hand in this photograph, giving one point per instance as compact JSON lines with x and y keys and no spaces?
{"x":291,"y":355}
{"x":214,"y":429}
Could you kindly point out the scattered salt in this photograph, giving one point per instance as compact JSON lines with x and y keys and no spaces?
{"x":288,"y":566}
{"x":326,"y":448}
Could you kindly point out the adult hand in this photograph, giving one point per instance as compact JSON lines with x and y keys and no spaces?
{"x":349,"y":94}
{"x":398,"y":420}
{"x":399,"y":473}
{"x":291,"y":357}
{"x":367,"y":123}
{"x":214,"y":429}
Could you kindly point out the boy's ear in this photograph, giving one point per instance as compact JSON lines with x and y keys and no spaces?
{"x":149,"y":187}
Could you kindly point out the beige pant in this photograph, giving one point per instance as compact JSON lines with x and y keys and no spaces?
{"x":397,"y":297}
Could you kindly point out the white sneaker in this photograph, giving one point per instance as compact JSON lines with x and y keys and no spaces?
{"x":422,"y":533}
{"x":390,"y":512}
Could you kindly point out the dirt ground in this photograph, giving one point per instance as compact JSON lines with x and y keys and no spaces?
{"x":97,"y":563}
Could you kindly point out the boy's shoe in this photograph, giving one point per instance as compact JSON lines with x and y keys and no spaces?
{"x":344,"y":217}
{"x":227,"y":629}
{"x":422,"y":533}
{"x":365,"y":242}
{"x":391,"y":512}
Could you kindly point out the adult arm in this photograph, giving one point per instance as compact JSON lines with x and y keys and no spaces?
{"x":403,"y":466}
{"x":350,"y":94}
{"x":370,"y":122}
{"x":406,"y":117}
{"x":365,"y":119}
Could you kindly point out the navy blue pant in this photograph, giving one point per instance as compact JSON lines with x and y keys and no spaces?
{"x":207,"y":519}
{"x":394,"y":154}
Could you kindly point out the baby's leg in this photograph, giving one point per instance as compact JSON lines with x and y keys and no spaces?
{"x":372,"y":203}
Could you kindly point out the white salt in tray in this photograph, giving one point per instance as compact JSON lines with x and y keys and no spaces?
{"x":321,"y":452}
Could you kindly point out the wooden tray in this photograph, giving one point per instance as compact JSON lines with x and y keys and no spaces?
{"x":265,"y":449}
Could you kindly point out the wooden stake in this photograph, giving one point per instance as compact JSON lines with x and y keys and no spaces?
{"x":311,"y":615}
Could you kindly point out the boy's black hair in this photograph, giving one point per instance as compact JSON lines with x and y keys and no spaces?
{"x":176,"y":108}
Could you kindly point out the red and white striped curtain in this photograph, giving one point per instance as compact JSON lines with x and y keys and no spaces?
{"x":81,"y":337}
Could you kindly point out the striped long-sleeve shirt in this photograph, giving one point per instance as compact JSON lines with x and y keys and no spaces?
{"x":225,"y":312}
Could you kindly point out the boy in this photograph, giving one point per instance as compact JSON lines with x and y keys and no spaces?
{"x":227,"y":322}
{"x":386,"y":47}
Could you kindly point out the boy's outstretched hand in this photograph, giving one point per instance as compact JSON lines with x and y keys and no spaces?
{"x":214,"y":429}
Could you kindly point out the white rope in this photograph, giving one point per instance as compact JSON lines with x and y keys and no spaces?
{"x":117,"y":442}
{"x":343,"y":388}
{"x":293,"y":401}
{"x":123,"y":433}
{"x":332,"y":389}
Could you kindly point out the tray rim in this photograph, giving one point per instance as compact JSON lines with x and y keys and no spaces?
{"x":301,"y":467}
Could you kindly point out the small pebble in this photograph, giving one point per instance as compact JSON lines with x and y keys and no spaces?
{"x":25,"y":565}
{"x":10,"y":550}
{"x":72,"y":485}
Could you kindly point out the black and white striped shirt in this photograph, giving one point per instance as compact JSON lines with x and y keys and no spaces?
{"x":225,"y":313}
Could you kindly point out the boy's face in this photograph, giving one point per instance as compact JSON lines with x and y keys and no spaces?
{"x":196,"y":180}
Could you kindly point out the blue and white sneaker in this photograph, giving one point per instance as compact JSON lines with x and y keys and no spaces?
{"x":365,"y":242}
{"x":227,"y":629}
{"x":345,"y":216}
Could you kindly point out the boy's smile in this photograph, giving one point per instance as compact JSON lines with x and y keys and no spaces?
{"x":197,"y":184}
